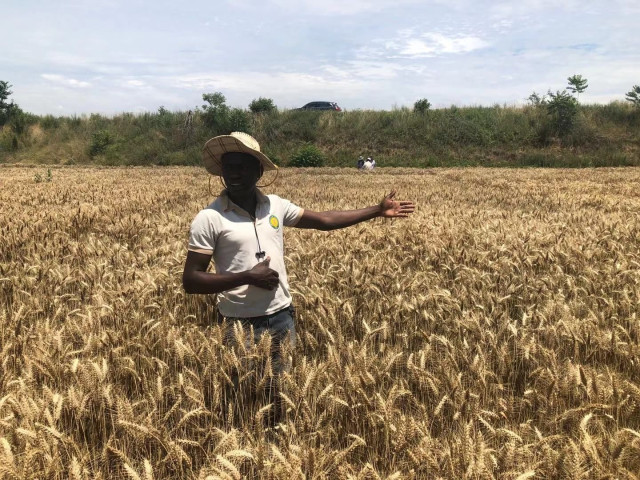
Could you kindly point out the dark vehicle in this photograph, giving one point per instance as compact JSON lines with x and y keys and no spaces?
{"x":321,"y":106}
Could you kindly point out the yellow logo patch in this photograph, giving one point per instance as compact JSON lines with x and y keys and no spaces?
{"x":274,"y":222}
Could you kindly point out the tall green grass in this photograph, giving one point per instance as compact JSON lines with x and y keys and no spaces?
{"x":602,"y":135}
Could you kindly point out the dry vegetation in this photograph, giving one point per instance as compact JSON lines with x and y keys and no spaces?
{"x":493,"y":335}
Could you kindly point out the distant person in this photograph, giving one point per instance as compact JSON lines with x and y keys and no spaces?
{"x":360,"y":162}
{"x":242,"y":232}
{"x":367,"y":164}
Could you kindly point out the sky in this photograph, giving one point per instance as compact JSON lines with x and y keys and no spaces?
{"x":74,"y":57}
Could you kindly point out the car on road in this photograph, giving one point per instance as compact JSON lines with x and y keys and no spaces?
{"x":321,"y":106}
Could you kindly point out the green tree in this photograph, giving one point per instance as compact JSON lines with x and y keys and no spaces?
{"x":6,"y":109}
{"x":216,"y":99}
{"x":421,"y":106}
{"x":537,"y":100}
{"x":221,"y":119}
{"x":577,"y":84}
{"x":633,"y":96}
{"x":563,"y":109}
{"x":262,"y":105}
{"x":100,"y":141}
{"x":216,"y":112}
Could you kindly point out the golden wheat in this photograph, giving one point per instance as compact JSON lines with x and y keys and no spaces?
{"x":495,"y":334}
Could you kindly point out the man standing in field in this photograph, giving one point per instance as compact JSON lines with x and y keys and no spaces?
{"x":242,"y":230}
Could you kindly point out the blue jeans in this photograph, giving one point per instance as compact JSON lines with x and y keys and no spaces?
{"x":281,"y":326}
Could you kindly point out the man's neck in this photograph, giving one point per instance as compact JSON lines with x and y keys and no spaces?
{"x":246,"y":200}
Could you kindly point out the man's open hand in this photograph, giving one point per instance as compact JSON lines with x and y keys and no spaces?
{"x":391,"y":208}
{"x":264,"y":277}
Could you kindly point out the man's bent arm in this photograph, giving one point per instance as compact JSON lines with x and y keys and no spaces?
{"x":196,"y":279}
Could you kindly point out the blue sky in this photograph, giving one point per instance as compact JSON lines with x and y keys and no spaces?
{"x":112,"y":56}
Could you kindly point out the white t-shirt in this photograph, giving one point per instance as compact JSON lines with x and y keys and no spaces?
{"x":227,"y":232}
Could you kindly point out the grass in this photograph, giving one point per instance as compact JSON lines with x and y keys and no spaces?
{"x":602,"y":135}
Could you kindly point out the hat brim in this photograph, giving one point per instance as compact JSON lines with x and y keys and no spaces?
{"x":216,"y":147}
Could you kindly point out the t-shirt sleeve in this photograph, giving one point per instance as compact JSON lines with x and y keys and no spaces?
{"x":203,"y":234}
{"x":292,"y":213}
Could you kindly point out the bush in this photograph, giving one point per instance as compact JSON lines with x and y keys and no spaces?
{"x":262,"y":105}
{"x":273,"y":156}
{"x":216,"y":113}
{"x":237,"y":121}
{"x":49,"y":122}
{"x":99,"y":142}
{"x":98,"y":121}
{"x":536,"y":100}
{"x":563,"y":109}
{"x":421,"y":106}
{"x":21,"y":120}
{"x":308,"y":156}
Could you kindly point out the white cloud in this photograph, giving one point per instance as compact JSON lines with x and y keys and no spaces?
{"x":511,"y":9}
{"x":502,"y":25}
{"x":432,"y":44}
{"x":135,"y":83}
{"x":366,"y":71}
{"x":361,"y":53}
{"x":248,"y":81}
{"x":340,"y":7}
{"x":64,"y":81}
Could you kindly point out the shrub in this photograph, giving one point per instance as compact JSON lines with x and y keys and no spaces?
{"x":273,"y":156}
{"x":215,"y":112}
{"x":73,"y":121}
{"x":100,"y":140}
{"x":262,"y":105}
{"x":238,"y":121}
{"x":563,"y":109}
{"x":308,"y":156}
{"x":20,"y":120}
{"x":421,"y":106}
{"x":537,"y":100}
{"x":49,"y":122}
{"x":99,"y":121}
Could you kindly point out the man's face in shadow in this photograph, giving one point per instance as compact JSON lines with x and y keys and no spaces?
{"x":240,"y":171}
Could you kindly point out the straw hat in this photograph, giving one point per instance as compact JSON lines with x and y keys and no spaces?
{"x":234,"y":142}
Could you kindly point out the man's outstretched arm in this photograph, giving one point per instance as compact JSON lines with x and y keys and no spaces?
{"x":332,"y":220}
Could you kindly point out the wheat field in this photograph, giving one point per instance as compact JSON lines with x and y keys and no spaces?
{"x":494,"y":334}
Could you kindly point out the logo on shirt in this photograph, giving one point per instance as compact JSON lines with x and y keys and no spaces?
{"x":274,"y":222}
